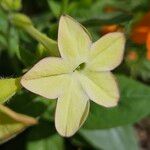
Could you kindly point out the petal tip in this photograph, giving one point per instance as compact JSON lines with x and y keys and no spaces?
{"x":64,"y":133}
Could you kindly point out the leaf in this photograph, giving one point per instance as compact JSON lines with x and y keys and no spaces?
{"x":10,"y":5}
{"x":3,"y":42}
{"x":3,"y":22}
{"x":121,"y":138}
{"x":8,"y":87}
{"x":111,"y":18}
{"x":29,"y":104}
{"x":133,"y":106}
{"x":27,"y":57}
{"x":13,"y":41}
{"x":55,"y":7}
{"x":42,"y":137}
{"x":12,"y":123}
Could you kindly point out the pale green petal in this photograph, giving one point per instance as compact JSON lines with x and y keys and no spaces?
{"x":107,"y":53}
{"x":73,"y":40}
{"x":12,"y":123}
{"x":46,"y":67}
{"x":101,"y":87}
{"x":72,"y":109}
{"x":49,"y":87}
{"x":47,"y":77}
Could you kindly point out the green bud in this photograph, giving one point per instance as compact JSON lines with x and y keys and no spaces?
{"x":11,"y":4}
{"x":20,"y":20}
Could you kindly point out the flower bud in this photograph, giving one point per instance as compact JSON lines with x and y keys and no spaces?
{"x":11,"y":4}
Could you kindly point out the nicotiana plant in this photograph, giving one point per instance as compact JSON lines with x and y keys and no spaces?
{"x":68,"y":82}
{"x":82,"y":73}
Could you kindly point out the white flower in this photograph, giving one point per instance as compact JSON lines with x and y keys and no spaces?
{"x":81,"y":74}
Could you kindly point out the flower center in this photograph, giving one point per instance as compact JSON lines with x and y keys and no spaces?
{"x":80,"y":67}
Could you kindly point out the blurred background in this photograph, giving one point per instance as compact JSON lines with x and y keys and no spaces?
{"x":126,"y":127}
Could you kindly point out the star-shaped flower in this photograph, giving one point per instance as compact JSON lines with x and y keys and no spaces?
{"x":81,"y":74}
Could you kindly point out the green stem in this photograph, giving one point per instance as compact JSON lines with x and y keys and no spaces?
{"x":24,"y":22}
{"x":48,"y":43}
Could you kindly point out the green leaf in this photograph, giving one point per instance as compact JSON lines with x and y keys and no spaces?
{"x":11,"y":4}
{"x":121,"y":138}
{"x":55,"y":7}
{"x":111,"y":18}
{"x":42,"y":137}
{"x":13,"y":41}
{"x":8,"y":87}
{"x":134,"y":105}
{"x":29,"y":104}
{"x":3,"y":22}
{"x":12,"y":123}
{"x":27,"y":57}
{"x":3,"y":42}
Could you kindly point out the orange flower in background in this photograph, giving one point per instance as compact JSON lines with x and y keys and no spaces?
{"x":132,"y":55}
{"x":109,"y":28}
{"x":148,"y":46}
{"x":141,"y":33}
{"x":112,"y":27}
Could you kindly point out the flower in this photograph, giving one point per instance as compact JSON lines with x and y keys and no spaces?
{"x":132,"y":56}
{"x":82,"y":73}
{"x":110,"y":28}
{"x":141,"y":33}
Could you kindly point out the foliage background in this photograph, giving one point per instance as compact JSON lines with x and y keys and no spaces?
{"x":118,"y":128}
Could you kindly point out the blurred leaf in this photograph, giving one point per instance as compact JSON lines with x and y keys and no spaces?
{"x":42,"y":137}
{"x":12,"y":123}
{"x":8,"y":88}
{"x":23,"y":21}
{"x":111,"y":18}
{"x":55,"y":7}
{"x":29,"y":104}
{"x":133,"y":106}
{"x":26,"y":57}
{"x":121,"y":138}
{"x":3,"y":42}
{"x":13,"y":41}
{"x":3,"y":21}
{"x":11,"y":4}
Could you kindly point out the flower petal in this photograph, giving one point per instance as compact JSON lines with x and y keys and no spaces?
{"x":46,"y":67}
{"x":101,"y":87}
{"x":47,"y":77}
{"x":73,"y":40}
{"x":72,"y":109}
{"x":48,"y":87}
{"x":107,"y":53}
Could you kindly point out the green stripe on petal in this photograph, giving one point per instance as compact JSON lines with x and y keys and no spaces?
{"x":107,"y":53}
{"x":72,"y":109}
{"x":73,"y":40}
{"x":49,"y":87}
{"x":46,"y":67}
{"x":101,"y":87}
{"x":47,"y":77}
